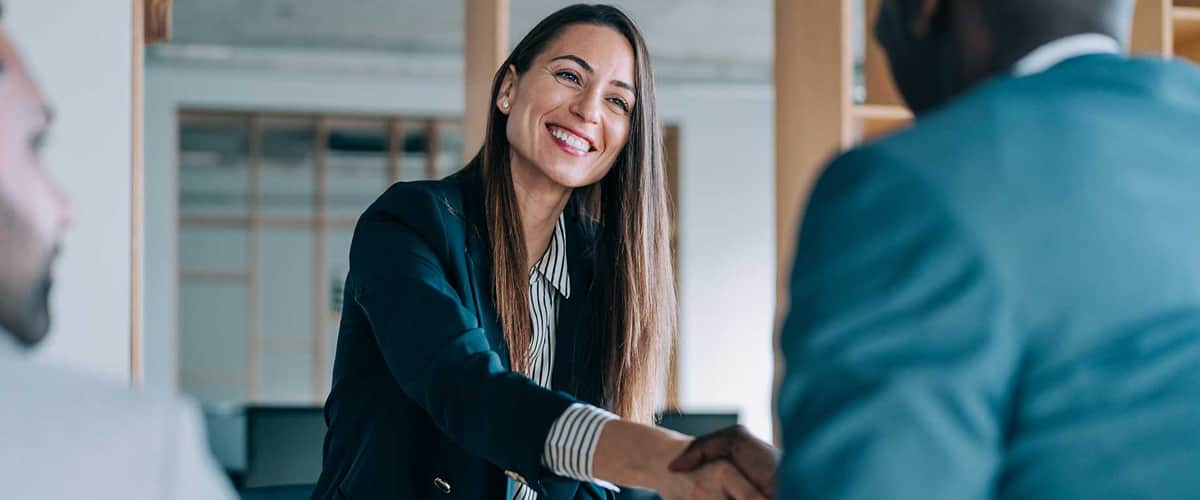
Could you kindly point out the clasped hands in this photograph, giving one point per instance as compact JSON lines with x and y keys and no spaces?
{"x":730,"y":463}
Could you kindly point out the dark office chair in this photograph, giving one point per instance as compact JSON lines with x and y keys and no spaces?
{"x":267,"y":446}
{"x":284,"y":445}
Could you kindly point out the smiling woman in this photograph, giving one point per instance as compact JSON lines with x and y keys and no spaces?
{"x":516,"y":316}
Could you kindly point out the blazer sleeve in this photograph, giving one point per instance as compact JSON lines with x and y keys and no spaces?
{"x":433,"y":346}
{"x":899,"y":356}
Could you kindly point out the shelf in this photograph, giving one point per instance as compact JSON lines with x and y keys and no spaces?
{"x":882,"y":112}
{"x":1187,"y":32}
{"x":873,"y":120}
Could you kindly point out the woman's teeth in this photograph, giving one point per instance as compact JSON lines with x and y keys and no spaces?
{"x":575,"y":142}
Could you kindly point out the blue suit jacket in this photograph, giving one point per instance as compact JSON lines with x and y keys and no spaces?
{"x":1004,"y":300}
{"x":422,"y":398}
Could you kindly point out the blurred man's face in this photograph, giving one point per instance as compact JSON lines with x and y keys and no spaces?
{"x":33,"y":210}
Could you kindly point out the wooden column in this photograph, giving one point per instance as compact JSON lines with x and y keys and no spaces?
{"x":1152,"y":28}
{"x":484,"y":50}
{"x":813,"y":81}
{"x":136,"y":188}
{"x":157,"y":21}
{"x":813,"y":78}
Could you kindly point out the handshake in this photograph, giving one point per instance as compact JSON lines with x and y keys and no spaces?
{"x":729,"y":463}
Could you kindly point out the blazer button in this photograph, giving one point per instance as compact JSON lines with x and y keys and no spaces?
{"x":442,"y":485}
{"x":516,"y":477}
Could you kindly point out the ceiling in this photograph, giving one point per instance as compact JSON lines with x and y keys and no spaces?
{"x":720,"y":31}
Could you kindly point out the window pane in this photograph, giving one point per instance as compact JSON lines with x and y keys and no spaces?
{"x":286,"y":377}
{"x":286,"y":296}
{"x":450,"y":144}
{"x":414,"y":160}
{"x":213,"y":249}
{"x":286,"y":179}
{"x":213,"y":321}
{"x":286,"y":282}
{"x":356,"y":166}
{"x":213,"y":159}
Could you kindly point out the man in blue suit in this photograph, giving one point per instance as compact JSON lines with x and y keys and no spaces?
{"x":1003,"y":301}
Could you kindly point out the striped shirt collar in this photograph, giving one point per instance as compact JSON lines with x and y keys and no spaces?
{"x":552,"y":267}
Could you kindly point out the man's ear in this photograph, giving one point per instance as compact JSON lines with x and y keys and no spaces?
{"x":508,"y":88}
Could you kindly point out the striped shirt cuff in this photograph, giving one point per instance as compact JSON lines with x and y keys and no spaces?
{"x":571,"y":444}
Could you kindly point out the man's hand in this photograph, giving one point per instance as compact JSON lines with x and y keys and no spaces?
{"x":755,"y":459}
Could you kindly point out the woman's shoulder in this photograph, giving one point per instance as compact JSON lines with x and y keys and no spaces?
{"x":433,"y":209}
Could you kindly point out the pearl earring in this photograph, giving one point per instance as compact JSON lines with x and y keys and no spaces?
{"x":504,"y":104}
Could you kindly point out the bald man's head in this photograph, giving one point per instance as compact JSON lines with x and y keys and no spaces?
{"x":1024,"y":19}
{"x":941,"y":48}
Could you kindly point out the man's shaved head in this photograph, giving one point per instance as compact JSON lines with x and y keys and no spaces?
{"x":941,"y":48}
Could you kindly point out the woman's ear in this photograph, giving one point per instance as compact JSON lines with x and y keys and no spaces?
{"x":508,"y":87}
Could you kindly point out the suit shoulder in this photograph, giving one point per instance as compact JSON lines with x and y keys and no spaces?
{"x":428,"y":208}
{"x":104,"y":406}
{"x":411,"y":200}
{"x":119,"y":441}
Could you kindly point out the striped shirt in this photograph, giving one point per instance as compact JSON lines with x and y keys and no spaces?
{"x":572,"y":440}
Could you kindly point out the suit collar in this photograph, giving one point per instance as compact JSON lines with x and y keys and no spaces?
{"x":1063,"y":49}
{"x":573,"y":372}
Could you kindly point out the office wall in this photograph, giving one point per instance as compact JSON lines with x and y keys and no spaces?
{"x":726,"y":210}
{"x":80,"y":52}
{"x":726,"y":247}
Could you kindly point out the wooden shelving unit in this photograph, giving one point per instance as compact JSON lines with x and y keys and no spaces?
{"x":1167,"y":28}
{"x":883,"y":111}
{"x":1185,"y":21}
{"x":874,"y":120}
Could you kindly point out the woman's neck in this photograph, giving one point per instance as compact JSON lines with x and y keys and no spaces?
{"x":540,"y":201}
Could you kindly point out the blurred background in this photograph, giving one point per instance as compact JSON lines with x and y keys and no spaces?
{"x":219,"y":152}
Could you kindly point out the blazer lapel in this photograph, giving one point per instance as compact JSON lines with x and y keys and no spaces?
{"x":572,"y":372}
{"x":479,"y":261}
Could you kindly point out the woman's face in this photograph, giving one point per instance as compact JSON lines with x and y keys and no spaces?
{"x":569,"y":114}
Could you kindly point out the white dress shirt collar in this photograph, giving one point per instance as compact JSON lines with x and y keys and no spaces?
{"x":552,"y":267}
{"x":1050,"y":54}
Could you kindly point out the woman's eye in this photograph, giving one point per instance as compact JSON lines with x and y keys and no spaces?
{"x":620,"y":103}
{"x":567,"y":75}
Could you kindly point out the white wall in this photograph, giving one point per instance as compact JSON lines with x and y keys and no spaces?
{"x":80,"y":52}
{"x":727,"y":247}
{"x":726,"y":211}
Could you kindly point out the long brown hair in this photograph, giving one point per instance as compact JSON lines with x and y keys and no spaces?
{"x":633,"y":289}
